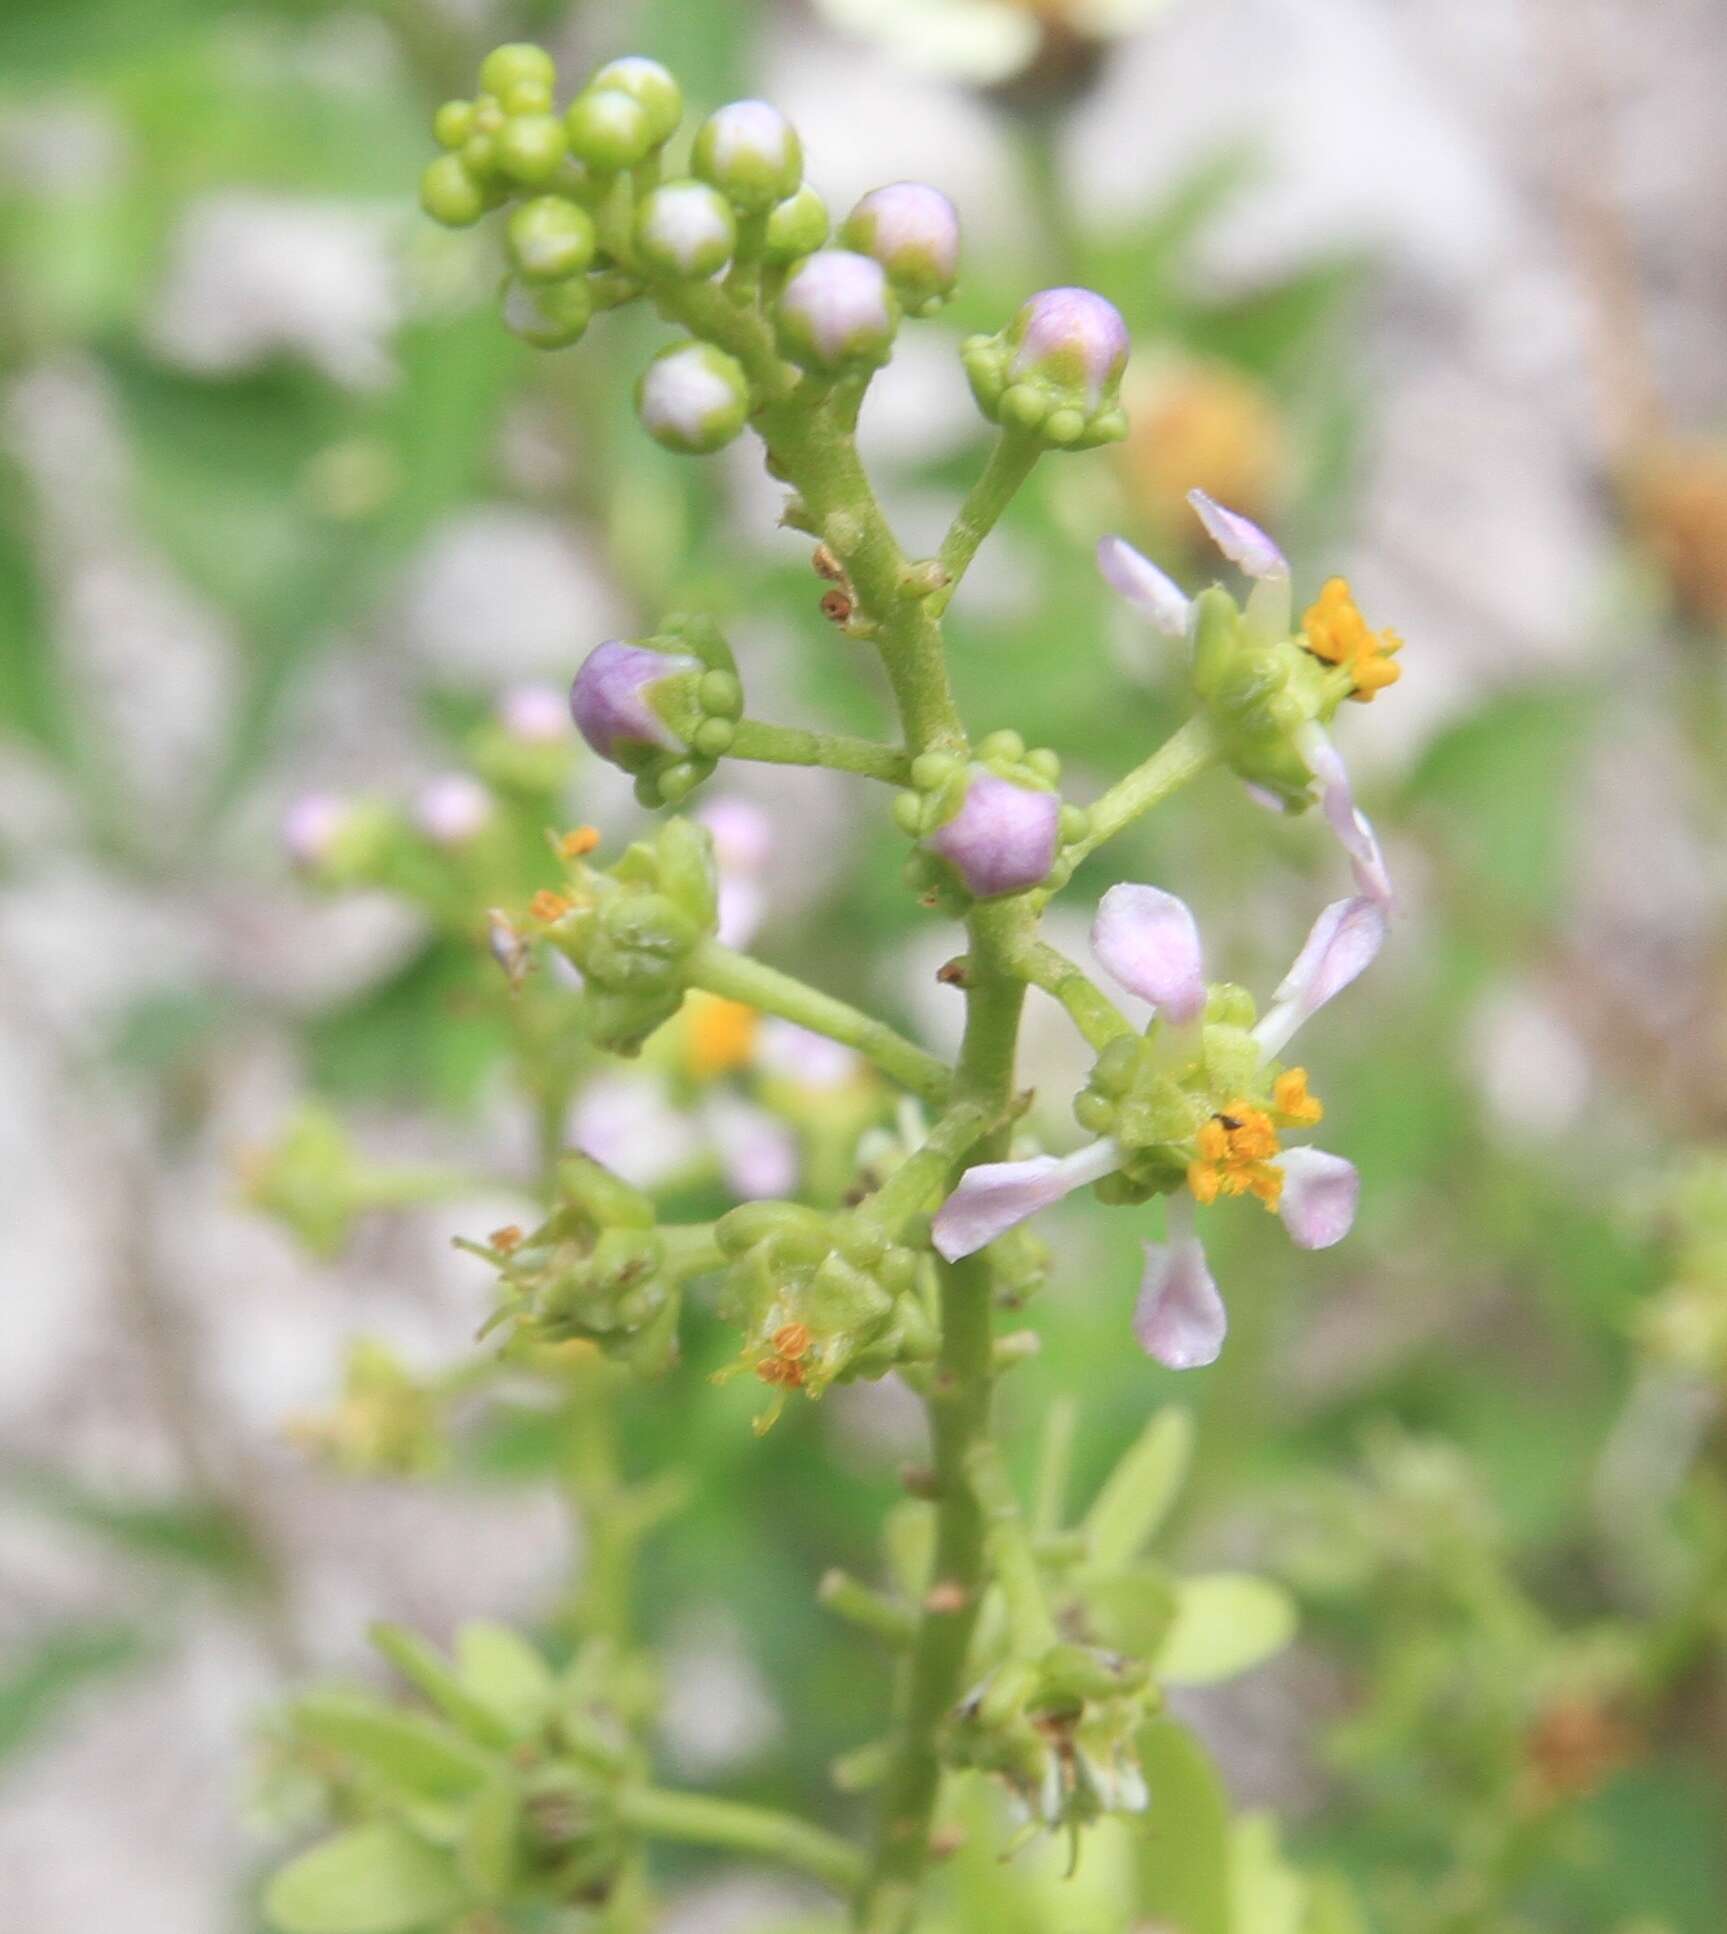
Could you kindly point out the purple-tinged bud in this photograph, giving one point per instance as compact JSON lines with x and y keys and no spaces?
{"x":751,"y":154}
{"x":686,"y":229}
{"x":837,"y":309}
{"x":534,"y":714}
{"x":912,"y":230}
{"x":310,"y":828}
{"x":452,"y":808}
{"x":1056,"y":370}
{"x":693,"y":398}
{"x":612,"y":704}
{"x":1003,"y":839}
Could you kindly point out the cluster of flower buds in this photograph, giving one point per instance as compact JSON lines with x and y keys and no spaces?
{"x":595,"y":1269}
{"x":989,"y":827}
{"x":1054,"y":373}
{"x":317,"y":1183}
{"x":387,"y":1422}
{"x":663,"y":708}
{"x":821,"y":1298}
{"x":630,"y":929}
{"x":505,"y":1792}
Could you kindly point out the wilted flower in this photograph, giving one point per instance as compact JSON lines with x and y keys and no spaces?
{"x":1203,"y":1108}
{"x":1278,"y":684}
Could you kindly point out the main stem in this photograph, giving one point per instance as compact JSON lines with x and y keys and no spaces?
{"x":959,"y":1405}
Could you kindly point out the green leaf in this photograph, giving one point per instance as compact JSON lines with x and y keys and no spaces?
{"x":505,"y":1673}
{"x":1267,"y":1895}
{"x":491,"y":1839}
{"x":372,"y":1880}
{"x":426,"y":1669}
{"x":182,"y":1532}
{"x":1132,"y":1610}
{"x":413,"y":1753}
{"x":1225,"y":1623}
{"x":1137,"y":1495}
{"x":55,"y":1671}
{"x":1184,"y":1851}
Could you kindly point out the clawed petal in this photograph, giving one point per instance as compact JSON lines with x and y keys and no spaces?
{"x":1148,"y":941}
{"x":1179,"y":1318}
{"x":1352,"y":827}
{"x":1343,"y":944}
{"x":1319,"y":1196}
{"x":995,"y":1196}
{"x":1239,"y":538}
{"x":1144,"y":586}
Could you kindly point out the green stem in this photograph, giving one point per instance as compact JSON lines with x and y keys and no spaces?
{"x":697,"y":1820}
{"x":791,"y":745}
{"x":1010,"y":463}
{"x":928,"y":1170}
{"x":959,"y":1405}
{"x":1091,"y":1010}
{"x":737,"y":977}
{"x":1181,"y":757}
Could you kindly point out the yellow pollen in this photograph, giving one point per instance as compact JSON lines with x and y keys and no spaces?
{"x":1291,"y":1101}
{"x":549,"y":906}
{"x":579,"y":840}
{"x":506,"y":1239}
{"x":1234,"y":1151}
{"x":791,"y":1340}
{"x":1336,"y":631}
{"x":721,"y":1035}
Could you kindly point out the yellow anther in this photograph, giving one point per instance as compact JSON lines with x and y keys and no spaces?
{"x":720,"y":1035}
{"x":1291,"y":1101}
{"x":792,"y":1340}
{"x":549,"y":906}
{"x":578,"y":841}
{"x":1234,"y":1151}
{"x":1335,"y":630}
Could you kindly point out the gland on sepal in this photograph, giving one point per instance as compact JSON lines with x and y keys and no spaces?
{"x":693,"y":398}
{"x":796,"y":227}
{"x":1259,"y":692}
{"x":1055,"y":372}
{"x":989,"y":828}
{"x":685,"y":231}
{"x":631,"y":930}
{"x":550,"y":315}
{"x":664,"y":708}
{"x":751,"y":153}
{"x":912,"y":230}
{"x":821,"y":1298}
{"x":837,"y":313}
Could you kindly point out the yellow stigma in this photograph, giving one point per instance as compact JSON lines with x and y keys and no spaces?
{"x":1336,"y":631}
{"x":719,"y":1036}
{"x":1234,"y":1151}
{"x":1292,"y":1104}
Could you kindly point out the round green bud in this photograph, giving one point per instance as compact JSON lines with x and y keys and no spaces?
{"x":751,"y":154}
{"x":609,"y":129}
{"x":647,"y":82}
{"x":517,"y":61}
{"x":932,"y":770}
{"x":479,"y":155}
{"x":686,"y":229}
{"x":1093,"y":1112}
{"x":453,"y":123}
{"x":693,"y":398}
{"x":450,"y":194}
{"x":551,"y":316}
{"x":797,"y":227}
{"x":1001,"y":745}
{"x":550,"y":239}
{"x":722,"y":692}
{"x":1045,"y":763}
{"x":908,"y":812}
{"x":714,"y":737}
{"x":1075,"y":824}
{"x":527,"y":97}
{"x":531,"y":147}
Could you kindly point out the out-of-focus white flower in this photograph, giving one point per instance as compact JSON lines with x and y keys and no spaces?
{"x":983,"y":42}
{"x":743,"y":835}
{"x":627,"y":1122}
{"x":252,"y":276}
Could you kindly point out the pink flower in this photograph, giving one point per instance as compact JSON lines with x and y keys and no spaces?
{"x":1004,"y":837}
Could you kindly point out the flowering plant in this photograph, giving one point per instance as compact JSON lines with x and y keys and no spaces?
{"x":1033,"y":1650}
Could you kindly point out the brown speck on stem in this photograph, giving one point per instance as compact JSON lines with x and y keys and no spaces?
{"x":946,"y":1597}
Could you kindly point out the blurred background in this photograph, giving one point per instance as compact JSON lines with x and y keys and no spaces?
{"x":1435,"y":290}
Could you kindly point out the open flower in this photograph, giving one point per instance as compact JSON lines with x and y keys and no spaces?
{"x":1307,"y":670}
{"x":1198,"y":1110}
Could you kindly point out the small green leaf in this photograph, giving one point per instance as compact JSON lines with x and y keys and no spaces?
{"x":1137,"y":1495}
{"x":504,"y":1672}
{"x":413,"y":1753}
{"x":427,"y":1670}
{"x":1184,"y":1851}
{"x":1225,"y":1623}
{"x":1267,"y":1895}
{"x":1132,"y":1611}
{"x":372,"y":1880}
{"x":491,"y":1839}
